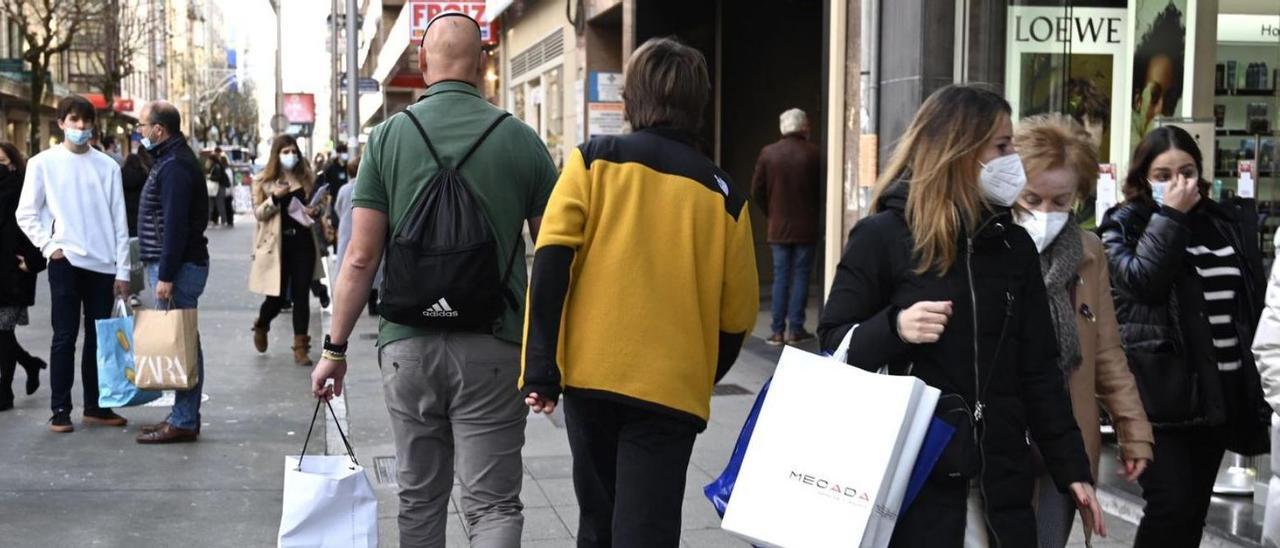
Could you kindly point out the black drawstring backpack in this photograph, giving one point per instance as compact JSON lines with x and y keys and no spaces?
{"x":441,"y":267}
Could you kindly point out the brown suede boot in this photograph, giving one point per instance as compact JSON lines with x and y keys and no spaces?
{"x":260,"y":336}
{"x":302,"y":347}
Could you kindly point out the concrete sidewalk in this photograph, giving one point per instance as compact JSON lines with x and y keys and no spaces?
{"x":97,"y":487}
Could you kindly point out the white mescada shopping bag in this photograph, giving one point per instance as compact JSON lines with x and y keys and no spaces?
{"x":328,"y":500}
{"x":830,"y":455}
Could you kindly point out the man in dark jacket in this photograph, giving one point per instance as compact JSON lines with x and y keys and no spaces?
{"x":785,"y":187}
{"x":335,"y":176}
{"x":172,"y":218}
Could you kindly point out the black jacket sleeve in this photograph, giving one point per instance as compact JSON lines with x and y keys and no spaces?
{"x":548,"y":289}
{"x":860,"y":297}
{"x":1043,"y":386}
{"x":1148,"y":269}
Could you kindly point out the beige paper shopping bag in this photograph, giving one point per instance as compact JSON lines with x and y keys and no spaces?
{"x":165,"y":349}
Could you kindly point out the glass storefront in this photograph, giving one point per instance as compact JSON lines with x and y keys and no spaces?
{"x":1121,"y":68}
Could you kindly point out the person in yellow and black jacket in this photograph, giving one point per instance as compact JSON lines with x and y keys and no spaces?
{"x":644,"y":286}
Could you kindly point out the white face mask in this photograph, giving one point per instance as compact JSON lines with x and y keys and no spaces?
{"x":1158,"y":190}
{"x":1043,"y":227}
{"x":1002,"y":180}
{"x":287,"y":161}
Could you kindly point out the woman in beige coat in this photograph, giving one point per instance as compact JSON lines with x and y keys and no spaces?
{"x":1062,"y":166}
{"x":284,"y":250}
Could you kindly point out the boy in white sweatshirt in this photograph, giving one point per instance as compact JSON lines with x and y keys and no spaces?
{"x":72,"y":208}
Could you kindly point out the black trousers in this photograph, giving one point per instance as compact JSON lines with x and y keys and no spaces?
{"x":629,"y":468}
{"x":1178,"y":485}
{"x":76,"y":293}
{"x":297,"y":265}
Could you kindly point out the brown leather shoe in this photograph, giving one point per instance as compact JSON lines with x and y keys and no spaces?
{"x":104,"y":417}
{"x":260,"y":337}
{"x":149,"y":428}
{"x":302,"y":347}
{"x":168,"y":434}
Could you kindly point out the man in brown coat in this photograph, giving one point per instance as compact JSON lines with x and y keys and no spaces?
{"x":785,"y":187}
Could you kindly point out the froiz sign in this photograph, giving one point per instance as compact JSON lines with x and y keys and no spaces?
{"x":424,"y":11}
{"x":1076,"y":30}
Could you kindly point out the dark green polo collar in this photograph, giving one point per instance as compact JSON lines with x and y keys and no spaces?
{"x":445,"y":86}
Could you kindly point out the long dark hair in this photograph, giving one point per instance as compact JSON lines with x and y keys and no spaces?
{"x":1159,"y":141}
{"x":15,"y":158}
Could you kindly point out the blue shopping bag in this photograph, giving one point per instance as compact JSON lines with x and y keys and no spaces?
{"x":116,"y":386}
{"x":719,"y":490}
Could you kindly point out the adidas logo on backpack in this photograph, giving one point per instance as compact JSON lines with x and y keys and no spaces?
{"x":445,"y":252}
{"x":440,"y":310}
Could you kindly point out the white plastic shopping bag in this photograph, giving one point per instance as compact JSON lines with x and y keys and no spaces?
{"x":328,"y":501}
{"x":830,"y":455}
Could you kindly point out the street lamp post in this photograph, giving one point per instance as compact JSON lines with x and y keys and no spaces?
{"x":353,"y":78}
{"x":275,"y":6}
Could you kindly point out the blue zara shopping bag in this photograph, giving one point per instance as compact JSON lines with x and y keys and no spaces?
{"x":116,"y":371}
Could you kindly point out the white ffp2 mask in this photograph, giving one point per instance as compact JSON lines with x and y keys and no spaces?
{"x":1002,"y":179}
{"x":1043,"y":227}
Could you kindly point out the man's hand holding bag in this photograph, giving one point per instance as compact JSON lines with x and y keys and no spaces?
{"x":166,"y":349}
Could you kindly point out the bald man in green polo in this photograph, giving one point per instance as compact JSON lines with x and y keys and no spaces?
{"x":451,"y":394}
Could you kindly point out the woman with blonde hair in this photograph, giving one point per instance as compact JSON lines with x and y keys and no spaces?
{"x":939,"y":283}
{"x":284,"y":251}
{"x":1062,"y":168}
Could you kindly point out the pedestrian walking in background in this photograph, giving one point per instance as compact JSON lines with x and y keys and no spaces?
{"x":133,"y":175}
{"x":335,"y":172}
{"x":335,"y":176}
{"x":345,"y":210}
{"x":20,"y":262}
{"x":173,"y":216}
{"x":1062,"y":167}
{"x":645,"y":270}
{"x":284,"y":250}
{"x":218,"y":175}
{"x":450,"y":393}
{"x":785,"y":186}
{"x":1188,"y":284}
{"x":112,"y":148}
{"x":72,"y":208}
{"x":940,"y":282}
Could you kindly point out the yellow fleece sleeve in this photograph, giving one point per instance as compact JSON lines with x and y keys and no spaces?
{"x":565,"y":218}
{"x":740,"y":297}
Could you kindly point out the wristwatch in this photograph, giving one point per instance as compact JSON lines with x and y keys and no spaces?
{"x":337,"y":348}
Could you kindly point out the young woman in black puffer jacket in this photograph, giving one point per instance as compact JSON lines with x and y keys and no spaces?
{"x":941,"y":284}
{"x":1188,"y":282}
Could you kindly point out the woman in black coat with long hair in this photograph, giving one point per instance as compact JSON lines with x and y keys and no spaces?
{"x":941,"y":284}
{"x":1187,"y":277}
{"x":20,"y":261}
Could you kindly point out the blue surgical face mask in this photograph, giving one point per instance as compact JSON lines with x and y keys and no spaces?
{"x":147,"y":144}
{"x":78,"y":137}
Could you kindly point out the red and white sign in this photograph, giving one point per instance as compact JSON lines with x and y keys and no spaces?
{"x":300,"y":108}
{"x":422,"y":12}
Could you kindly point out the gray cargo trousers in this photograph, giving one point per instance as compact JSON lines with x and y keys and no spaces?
{"x":455,"y":408}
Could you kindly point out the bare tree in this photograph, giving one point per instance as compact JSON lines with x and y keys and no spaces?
{"x":122,"y":23}
{"x":48,"y":28}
